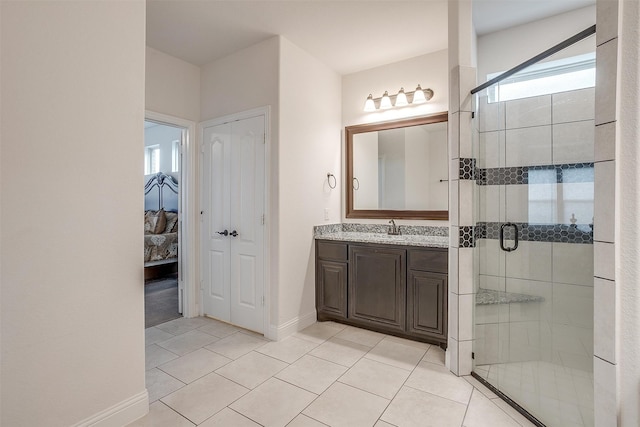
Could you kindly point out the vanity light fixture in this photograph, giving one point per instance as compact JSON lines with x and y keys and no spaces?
{"x":386,"y":101}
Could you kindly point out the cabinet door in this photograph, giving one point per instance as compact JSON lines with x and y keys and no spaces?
{"x":331,"y":289}
{"x":377,"y":286}
{"x":427,"y":304}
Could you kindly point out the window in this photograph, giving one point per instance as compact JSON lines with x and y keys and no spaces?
{"x":152,"y":159}
{"x":577,"y":72}
{"x":175,"y":156}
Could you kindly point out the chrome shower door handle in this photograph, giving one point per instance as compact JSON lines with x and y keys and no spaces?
{"x":515,"y":239}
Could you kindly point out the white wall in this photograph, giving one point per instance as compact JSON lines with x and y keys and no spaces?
{"x":71,"y":258}
{"x":505,"y":49}
{"x":309,"y":148}
{"x":239,"y":82}
{"x":430,"y":71}
{"x":172,"y":86}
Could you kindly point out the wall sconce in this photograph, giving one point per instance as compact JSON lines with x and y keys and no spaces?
{"x":402,"y":99}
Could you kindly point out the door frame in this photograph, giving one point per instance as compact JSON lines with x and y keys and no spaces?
{"x":188,"y":251}
{"x":265,"y":112}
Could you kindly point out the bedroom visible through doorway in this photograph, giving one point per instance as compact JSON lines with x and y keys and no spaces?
{"x":162,"y":222}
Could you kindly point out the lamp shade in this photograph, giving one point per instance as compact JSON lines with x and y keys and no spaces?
{"x":401,"y":98}
{"x":418,"y":96}
{"x":369,"y":105}
{"x":385,"y":102}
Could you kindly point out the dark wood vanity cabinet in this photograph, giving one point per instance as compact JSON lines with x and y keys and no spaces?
{"x":377,"y":282}
{"x":331,"y":271}
{"x":392,"y":289}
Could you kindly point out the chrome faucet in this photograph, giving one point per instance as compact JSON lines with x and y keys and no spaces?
{"x":393,"y":229}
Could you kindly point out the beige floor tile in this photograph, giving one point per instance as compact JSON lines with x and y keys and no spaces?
{"x":319,"y":332}
{"x":187,"y":342}
{"x":342,"y":352}
{"x":381,"y":423}
{"x":288,"y":350}
{"x":204,"y":397}
{"x":155,"y":355}
{"x":182,"y":325}
{"x":160,"y":384}
{"x":228,"y":418}
{"x":252,"y":369}
{"x":360,"y":336}
{"x":480,"y":387}
{"x":304,"y":421}
{"x":312,"y":374}
{"x":194,"y":365}
{"x":414,"y":408}
{"x":273,"y":403}
{"x":482,"y":412}
{"x":434,"y":355}
{"x":343,"y":405}
{"x":395,"y":353}
{"x":219,"y":329}
{"x":153,"y":335}
{"x":417,"y":344}
{"x":161,"y":415}
{"x":440,"y":381}
{"x":375,"y":377}
{"x":512,"y":413}
{"x":236,"y":345}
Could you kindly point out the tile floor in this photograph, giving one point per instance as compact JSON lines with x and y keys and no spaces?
{"x":207,"y":373}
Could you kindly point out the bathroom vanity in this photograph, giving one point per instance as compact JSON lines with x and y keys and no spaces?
{"x":390,"y":284}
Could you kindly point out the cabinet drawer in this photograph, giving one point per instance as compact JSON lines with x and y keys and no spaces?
{"x":332,"y":251}
{"x":429,"y":260}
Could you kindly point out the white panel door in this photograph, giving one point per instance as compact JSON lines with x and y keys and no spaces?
{"x":247,"y":207}
{"x":233,"y":198}
{"x":216,"y":245}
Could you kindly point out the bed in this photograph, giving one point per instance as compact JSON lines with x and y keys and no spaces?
{"x":160,"y":220}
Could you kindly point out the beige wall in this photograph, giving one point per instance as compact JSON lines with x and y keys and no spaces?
{"x":430,"y":71}
{"x":172,"y":86}
{"x":71,"y":220}
{"x":503,"y":50}
{"x":309,"y":148}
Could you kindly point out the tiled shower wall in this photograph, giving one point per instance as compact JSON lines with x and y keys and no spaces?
{"x":535,"y":168}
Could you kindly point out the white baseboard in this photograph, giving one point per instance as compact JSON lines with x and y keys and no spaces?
{"x":277,"y":333}
{"x":120,"y":414}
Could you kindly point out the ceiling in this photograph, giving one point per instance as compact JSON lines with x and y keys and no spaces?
{"x":347,"y":35}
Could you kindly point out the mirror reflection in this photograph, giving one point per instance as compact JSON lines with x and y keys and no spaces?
{"x":401,"y":169}
{"x":398,"y":169}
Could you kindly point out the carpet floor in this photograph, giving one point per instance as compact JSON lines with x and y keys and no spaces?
{"x":161,"y":301}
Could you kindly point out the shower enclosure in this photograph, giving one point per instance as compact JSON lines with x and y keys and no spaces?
{"x":534,"y":176}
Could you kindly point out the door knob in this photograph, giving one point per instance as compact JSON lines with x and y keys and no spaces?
{"x":224,"y":233}
{"x":234,"y":233}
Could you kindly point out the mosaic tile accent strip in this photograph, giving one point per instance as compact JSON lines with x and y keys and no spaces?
{"x":545,"y":174}
{"x":467,"y":236}
{"x":467,"y":168}
{"x":555,"y":233}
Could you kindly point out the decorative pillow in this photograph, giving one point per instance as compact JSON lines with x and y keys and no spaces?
{"x":172,"y":222}
{"x":155,"y":222}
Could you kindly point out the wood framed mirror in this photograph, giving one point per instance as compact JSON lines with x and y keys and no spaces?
{"x":398,"y":169}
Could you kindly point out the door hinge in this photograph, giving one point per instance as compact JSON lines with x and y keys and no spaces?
{"x":473,"y":355}
{"x":263,"y":300}
{"x":262,"y":219}
{"x":264,"y":138}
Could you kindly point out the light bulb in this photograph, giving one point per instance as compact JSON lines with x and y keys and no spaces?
{"x":401,"y":98}
{"x":385,"y":102}
{"x":369,"y":105}
{"x":418,"y":96}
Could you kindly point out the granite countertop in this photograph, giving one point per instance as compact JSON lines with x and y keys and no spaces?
{"x":434,"y":237}
{"x":489,"y":296}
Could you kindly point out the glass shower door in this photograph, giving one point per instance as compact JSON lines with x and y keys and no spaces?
{"x":533,"y":322}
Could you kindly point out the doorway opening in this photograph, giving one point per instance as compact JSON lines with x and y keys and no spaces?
{"x":163,"y":221}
